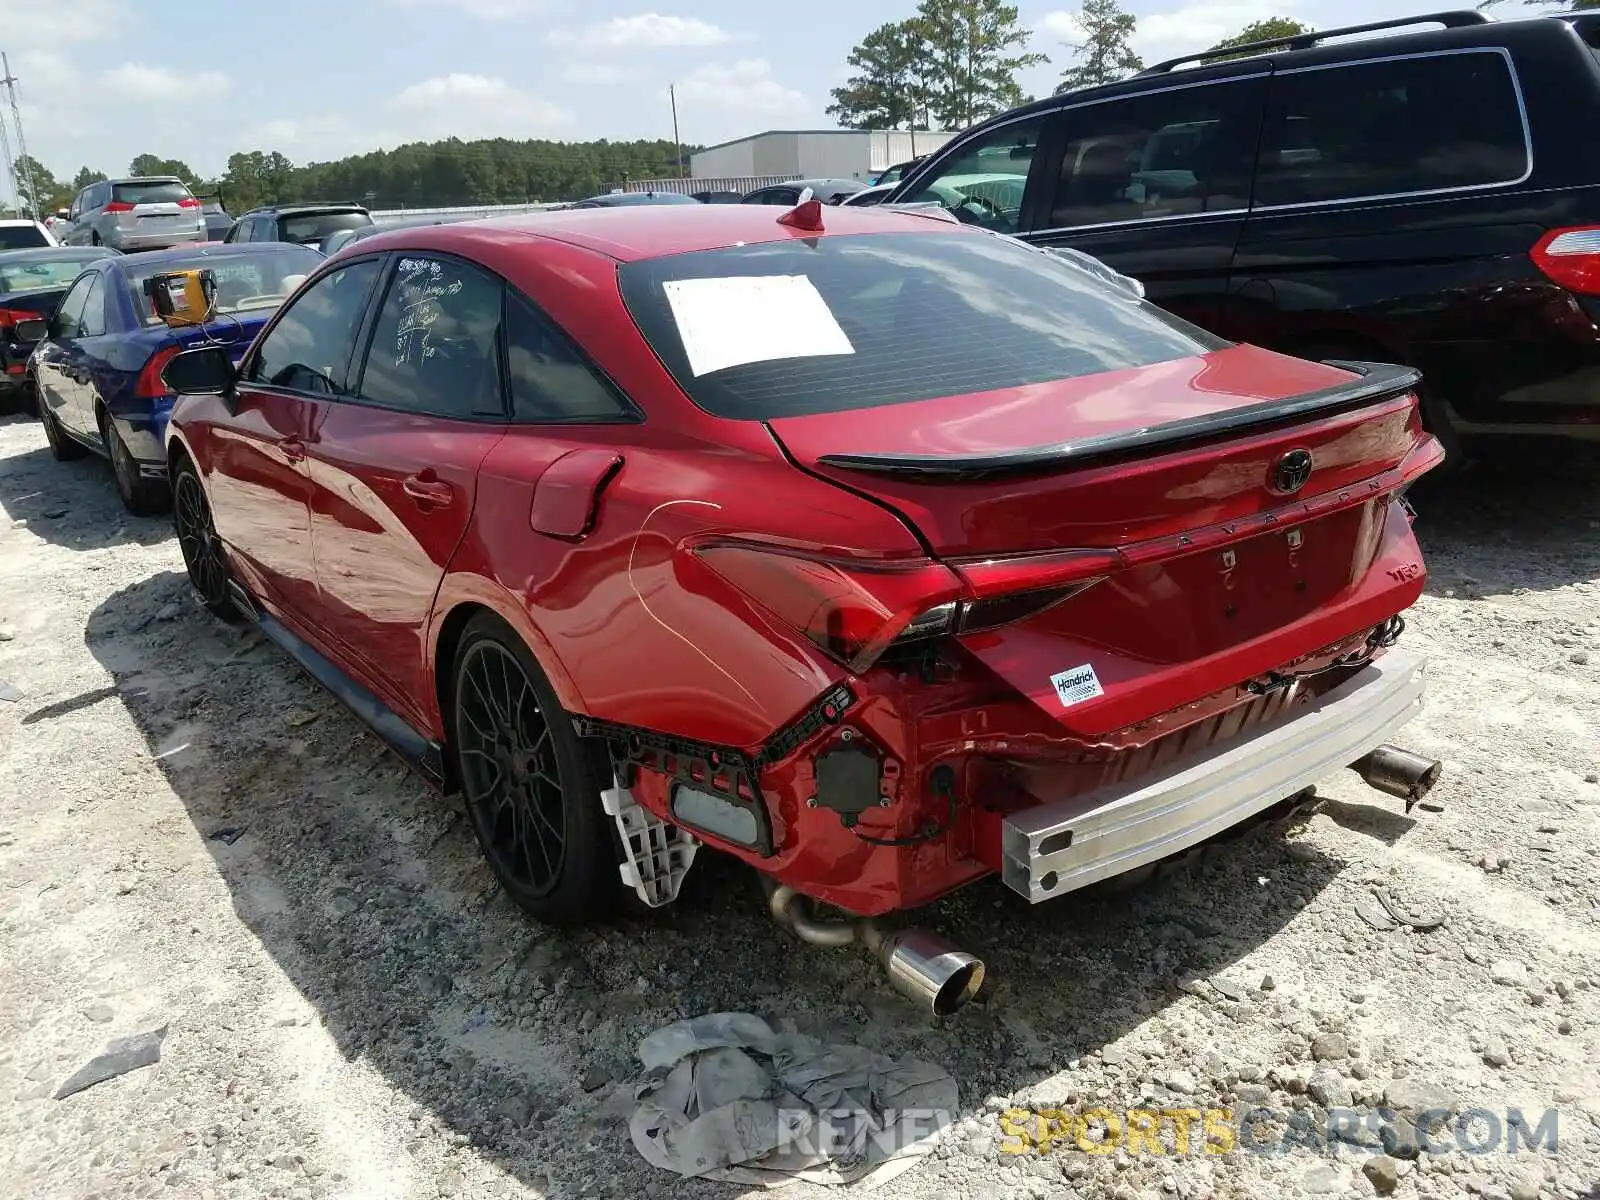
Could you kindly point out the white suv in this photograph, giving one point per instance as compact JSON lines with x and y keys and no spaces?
{"x":136,"y":214}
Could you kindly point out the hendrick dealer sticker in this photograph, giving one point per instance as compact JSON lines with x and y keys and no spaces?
{"x":1077,"y":685}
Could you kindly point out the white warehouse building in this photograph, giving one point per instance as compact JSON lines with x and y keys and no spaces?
{"x":814,"y":153}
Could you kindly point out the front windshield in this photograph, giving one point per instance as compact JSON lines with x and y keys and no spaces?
{"x":246,"y":281}
{"x":32,"y":274}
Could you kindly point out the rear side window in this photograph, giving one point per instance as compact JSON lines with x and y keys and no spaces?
{"x":313,"y":227}
{"x":848,"y":322}
{"x":21,"y":237}
{"x":149,"y":193}
{"x":1391,"y":128}
{"x":1164,"y":154}
{"x":309,"y":347}
{"x":434,"y":344}
{"x":550,"y":381}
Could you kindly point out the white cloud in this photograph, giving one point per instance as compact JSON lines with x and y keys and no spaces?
{"x":136,"y":81}
{"x":482,"y":10}
{"x":473,"y":106}
{"x":746,"y":86}
{"x":645,"y":30}
{"x":1162,"y":35}
{"x":591,"y":74}
{"x":26,"y":24}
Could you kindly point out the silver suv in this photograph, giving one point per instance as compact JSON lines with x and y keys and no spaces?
{"x":135,"y":214}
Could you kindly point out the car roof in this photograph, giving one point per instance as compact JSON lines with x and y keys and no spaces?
{"x":653,"y":230}
{"x":56,"y":253}
{"x":14,"y":222}
{"x":142,"y":179}
{"x":332,"y":206}
{"x":187,"y":250}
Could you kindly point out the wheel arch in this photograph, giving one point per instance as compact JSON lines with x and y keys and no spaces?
{"x":462,"y":599}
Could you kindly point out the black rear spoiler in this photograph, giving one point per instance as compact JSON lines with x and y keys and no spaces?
{"x":1378,"y":381}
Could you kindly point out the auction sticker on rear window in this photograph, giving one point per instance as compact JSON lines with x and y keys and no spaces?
{"x":1077,"y":685}
{"x":752,"y":318}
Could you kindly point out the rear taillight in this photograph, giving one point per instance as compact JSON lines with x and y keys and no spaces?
{"x":854,"y":611}
{"x":119,"y":206}
{"x":188,"y":202}
{"x":150,"y":385}
{"x":11,"y":317}
{"x":850,"y":610}
{"x":1571,"y":257}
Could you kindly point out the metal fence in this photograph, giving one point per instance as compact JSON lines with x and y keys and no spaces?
{"x":686,"y":187}
{"x":464,"y":210}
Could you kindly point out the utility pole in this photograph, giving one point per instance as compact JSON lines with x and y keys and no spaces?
{"x":677,"y":145}
{"x":10,"y":82}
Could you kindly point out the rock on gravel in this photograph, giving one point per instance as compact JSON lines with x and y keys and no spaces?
{"x":1510,"y":972}
{"x":1383,"y":1172}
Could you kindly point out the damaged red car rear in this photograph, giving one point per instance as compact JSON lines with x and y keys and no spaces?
{"x":911,"y":555}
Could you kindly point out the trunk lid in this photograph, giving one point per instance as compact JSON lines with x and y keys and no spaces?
{"x":1171,"y":483}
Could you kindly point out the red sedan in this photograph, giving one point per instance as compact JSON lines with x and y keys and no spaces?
{"x":879,"y":551}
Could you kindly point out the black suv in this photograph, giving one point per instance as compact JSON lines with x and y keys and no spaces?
{"x":1429,"y":198}
{"x":307,"y":224}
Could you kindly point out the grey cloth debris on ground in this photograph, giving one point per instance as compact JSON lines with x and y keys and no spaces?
{"x":727,"y":1097}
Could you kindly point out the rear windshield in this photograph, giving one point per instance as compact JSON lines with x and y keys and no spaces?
{"x":847,"y":322}
{"x":21,"y":237}
{"x":36,"y":273}
{"x":166,"y":192}
{"x":251,"y":281}
{"x":313,"y":227}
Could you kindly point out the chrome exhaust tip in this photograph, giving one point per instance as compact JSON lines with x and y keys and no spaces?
{"x":922,"y":967}
{"x":1397,"y":772}
{"x":926,"y":969}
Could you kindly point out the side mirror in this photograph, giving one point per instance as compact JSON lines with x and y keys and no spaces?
{"x":202,"y":371}
{"x":37,"y":329}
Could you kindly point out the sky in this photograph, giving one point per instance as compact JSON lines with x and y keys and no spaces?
{"x":100,"y":81}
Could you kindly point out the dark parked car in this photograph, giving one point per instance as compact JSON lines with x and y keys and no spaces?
{"x":97,"y":369}
{"x":304,"y":224}
{"x":718,"y":197}
{"x":218,"y":222}
{"x":1430,"y":196}
{"x":899,"y":171}
{"x":32,"y":283}
{"x":829,"y":191}
{"x":998,"y":570}
{"x":340,"y":238}
{"x":631,"y":199}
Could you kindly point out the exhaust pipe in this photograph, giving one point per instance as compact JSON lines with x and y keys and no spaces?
{"x":922,"y":967}
{"x":1397,"y":772}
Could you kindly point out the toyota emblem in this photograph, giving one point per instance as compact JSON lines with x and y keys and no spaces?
{"x":1291,"y":472}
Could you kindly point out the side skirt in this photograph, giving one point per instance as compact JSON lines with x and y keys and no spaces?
{"x":421,"y":754}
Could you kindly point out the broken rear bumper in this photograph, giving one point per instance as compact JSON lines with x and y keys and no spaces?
{"x":1052,"y":849}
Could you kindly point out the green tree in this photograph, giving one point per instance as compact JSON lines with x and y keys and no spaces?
{"x":41,"y":199}
{"x":85,"y":177}
{"x":974,"y":49}
{"x":1261,"y":31}
{"x":886,"y":92}
{"x":1105,"y":54}
{"x":150,"y":164}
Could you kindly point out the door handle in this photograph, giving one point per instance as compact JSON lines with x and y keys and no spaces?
{"x":427,"y":490}
{"x":294,"y":450}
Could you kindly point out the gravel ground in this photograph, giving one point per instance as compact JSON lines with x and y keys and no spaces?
{"x":192,"y":836}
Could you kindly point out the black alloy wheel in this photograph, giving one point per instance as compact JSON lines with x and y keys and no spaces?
{"x":197,"y":537}
{"x":532,"y":788}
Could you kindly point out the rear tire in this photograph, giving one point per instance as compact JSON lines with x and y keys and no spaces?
{"x":531,"y":787}
{"x":62,"y":447}
{"x":140,"y":496}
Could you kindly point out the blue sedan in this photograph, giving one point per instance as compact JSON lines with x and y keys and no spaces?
{"x":98,"y":365}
